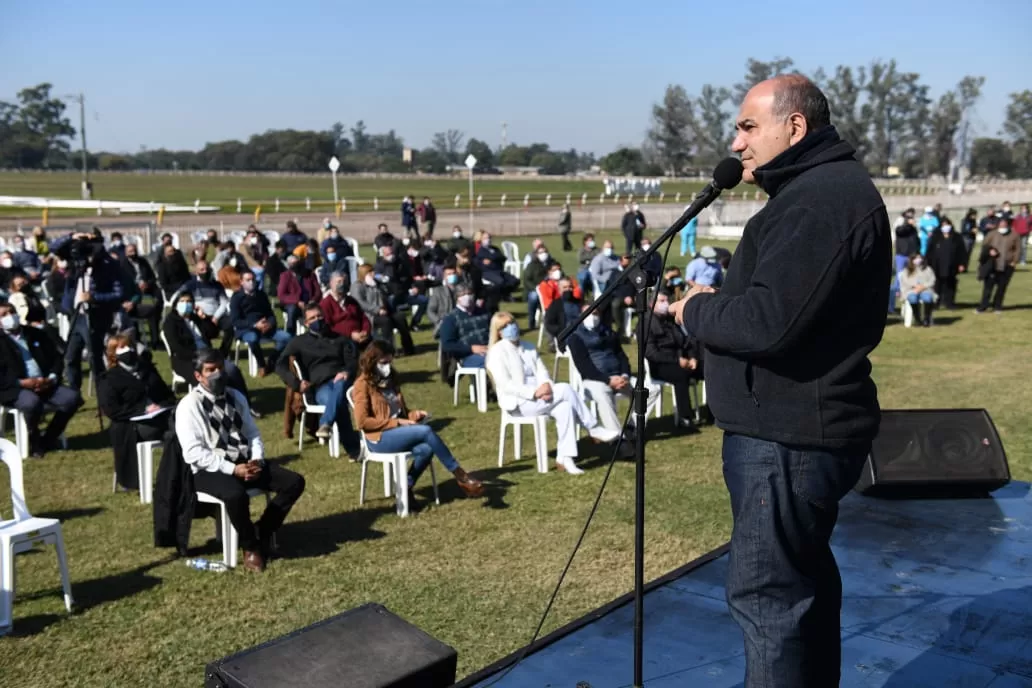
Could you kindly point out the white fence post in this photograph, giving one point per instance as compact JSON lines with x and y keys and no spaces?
{"x":503,"y":200}
{"x":457,"y":198}
{"x":343,"y":204}
{"x":308,"y":203}
{"x":548,"y":199}
{"x":646,"y":196}
{"x":240,"y":206}
{"x":526,"y":200}
{"x":197,"y":206}
{"x":584,"y":200}
{"x":277,"y":205}
{"x":376,"y":203}
{"x":616,"y":198}
{"x":677,"y":198}
{"x":661,"y":195}
{"x":601,"y":198}
{"x":480,"y":200}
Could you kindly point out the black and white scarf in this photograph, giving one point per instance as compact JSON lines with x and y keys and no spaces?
{"x":227,"y":422}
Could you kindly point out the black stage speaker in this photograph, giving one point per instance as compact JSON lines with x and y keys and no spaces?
{"x":365,"y":647}
{"x":932,"y":452}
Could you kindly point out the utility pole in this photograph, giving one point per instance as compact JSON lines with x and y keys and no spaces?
{"x":505,"y":134}
{"x":81,"y":98}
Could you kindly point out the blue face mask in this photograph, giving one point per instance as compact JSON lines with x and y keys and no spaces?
{"x":511,"y":332}
{"x":453,"y":279}
{"x":316,"y":326}
{"x":677,"y":281}
{"x":331,"y":257}
{"x":184,"y":307}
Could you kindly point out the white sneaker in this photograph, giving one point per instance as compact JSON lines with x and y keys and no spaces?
{"x":603,"y":434}
{"x":566,"y":463}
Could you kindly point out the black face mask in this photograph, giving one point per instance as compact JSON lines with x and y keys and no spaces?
{"x":129,"y":359}
{"x":568,"y":296}
{"x":216,"y":383}
{"x":316,"y":327}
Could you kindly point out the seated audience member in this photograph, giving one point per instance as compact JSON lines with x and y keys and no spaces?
{"x":172,"y":270}
{"x":254,"y":322}
{"x":491,"y":261}
{"x":22,"y":297}
{"x":563,"y":310}
{"x":225,"y":452}
{"x":585,"y":255}
{"x":131,"y":387}
{"x":549,"y":291}
{"x":309,"y":254}
{"x":335,"y":241}
{"x":37,"y":319}
{"x":255,"y":250}
{"x":298,"y":287}
{"x":138,"y":282}
{"x":209,"y":296}
{"x":464,"y":332}
{"x":275,"y":266}
{"x":117,"y":245}
{"x":390,"y":427}
{"x":459,"y":242}
{"x":155,"y":256}
{"x":366,"y":291}
{"x":673,"y":356}
{"x":604,"y":267}
{"x":433,"y":256}
{"x":334,"y":264}
{"x":229,"y":274}
{"x":917,"y":286}
{"x":442,"y":298}
{"x":343,"y":314}
{"x":400,"y":285}
{"x":704,"y":271}
{"x":30,"y":381}
{"x":673,"y":283}
{"x":328,"y":364}
{"x":188,"y":329}
{"x":605,"y":370}
{"x":654,"y":265}
{"x":55,"y":283}
{"x":531,"y":255}
{"x":293,"y":237}
{"x":534,"y":273}
{"x":226,"y":251}
{"x":27,"y":260}
{"x":414,"y":257}
{"x":485,"y":295}
{"x":525,"y":388}
{"x":384,"y":238}
{"x":39,"y":245}
{"x":8,"y":270}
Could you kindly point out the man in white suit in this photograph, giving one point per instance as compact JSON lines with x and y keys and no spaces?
{"x":525,"y":388}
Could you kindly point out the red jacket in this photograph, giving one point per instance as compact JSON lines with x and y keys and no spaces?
{"x":289,"y":289}
{"x":1021,"y":224}
{"x":345,"y":320}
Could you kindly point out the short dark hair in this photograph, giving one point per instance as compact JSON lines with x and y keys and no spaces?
{"x":796,"y":93}
{"x":205,"y":357}
{"x":313,"y":306}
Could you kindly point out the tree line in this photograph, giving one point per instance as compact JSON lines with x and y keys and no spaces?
{"x":886,"y":113}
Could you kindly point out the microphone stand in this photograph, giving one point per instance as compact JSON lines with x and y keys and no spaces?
{"x":642,"y":280}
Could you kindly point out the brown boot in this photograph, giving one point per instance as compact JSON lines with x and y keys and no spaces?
{"x":471,"y":486}
{"x":254,"y":561}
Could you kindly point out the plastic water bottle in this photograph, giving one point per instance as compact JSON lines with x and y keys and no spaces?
{"x":206,"y":565}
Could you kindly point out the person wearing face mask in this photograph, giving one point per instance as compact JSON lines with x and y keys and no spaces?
{"x":309,"y":254}
{"x":55,"y":283}
{"x":458,"y":241}
{"x":464,"y":332}
{"x":603,"y":366}
{"x":131,"y":387}
{"x":947,"y":257}
{"x":491,"y":262}
{"x":525,"y":389}
{"x":30,"y":380}
{"x":384,"y":238}
{"x":654,"y":265}
{"x":672,"y":282}
{"x":225,"y":452}
{"x":293,"y":237}
{"x":565,"y":225}
{"x":585,"y":255}
{"x":187,"y":330}
{"x":275,"y":266}
{"x":211,"y":303}
{"x":298,"y":286}
{"x":1005,"y":212}
{"x":534,"y":273}
{"x":27,"y":260}
{"x":548,"y":290}
{"x":22,"y":297}
{"x":673,"y":357}
{"x":8,"y":270}
{"x":390,"y":426}
{"x":917,"y":287}
{"x":427,"y":215}
{"x":171,"y":269}
{"x":328,"y":365}
{"x":137,"y":282}
{"x":402,"y":287}
{"x":442,"y":298}
{"x":254,"y":322}
{"x":604,"y":267}
{"x":367,"y":292}
{"x":335,"y":242}
{"x":433,"y":256}
{"x":408,"y":217}
{"x":343,"y":314}
{"x":562,"y":310}
{"x":996,"y":264}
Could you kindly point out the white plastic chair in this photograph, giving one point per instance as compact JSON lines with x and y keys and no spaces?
{"x":477,"y":389}
{"x":560,"y":354}
{"x":21,"y":430}
{"x":354,"y":249}
{"x":395,"y":471}
{"x":21,"y":534}
{"x":177,"y":379}
{"x":513,"y":266}
{"x":144,"y":470}
{"x":577,"y":383}
{"x":539,"y":423}
{"x":663,"y":385}
{"x":252,"y":362}
{"x":314,"y":409}
{"x":230,"y":538}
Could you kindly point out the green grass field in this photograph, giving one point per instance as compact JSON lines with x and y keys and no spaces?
{"x":474,"y":573}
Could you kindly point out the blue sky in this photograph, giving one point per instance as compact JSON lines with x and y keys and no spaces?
{"x":572,"y":74}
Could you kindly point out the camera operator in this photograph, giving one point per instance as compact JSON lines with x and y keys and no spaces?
{"x":92,"y":294}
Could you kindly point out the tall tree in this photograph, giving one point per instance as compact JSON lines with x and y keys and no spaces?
{"x":757,"y":71}
{"x":991,"y":157}
{"x":623,"y":161}
{"x":359,"y":137}
{"x":1017,"y":127}
{"x":844,"y":92}
{"x":713,"y":126}
{"x":38,"y":128}
{"x":448,"y":144}
{"x":482,"y":152}
{"x":672,"y":131}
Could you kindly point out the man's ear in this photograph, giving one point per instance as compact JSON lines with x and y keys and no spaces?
{"x":799,"y":127}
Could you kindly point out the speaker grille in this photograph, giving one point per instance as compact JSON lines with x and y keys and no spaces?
{"x":938,"y":447}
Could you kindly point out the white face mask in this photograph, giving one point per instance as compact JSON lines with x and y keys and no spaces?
{"x":646,"y":247}
{"x":456,"y":235}
{"x":946,"y":229}
{"x":6,"y":263}
{"x":556,"y":275}
{"x":413,"y":252}
{"x":591,"y":322}
{"x":543,"y":257}
{"x":370,"y":280}
{"x":253,"y":241}
{"x":383,"y":369}
{"x":232,"y":262}
{"x":607,"y":251}
{"x":662,"y":307}
{"x":10,"y":322}
{"x":486,"y":241}
{"x":1004,"y":230}
{"x":465,"y":301}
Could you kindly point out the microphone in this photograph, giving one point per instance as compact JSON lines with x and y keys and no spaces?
{"x":726,"y":175}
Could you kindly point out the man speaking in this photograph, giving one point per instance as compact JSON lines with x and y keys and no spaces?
{"x":787,"y":339}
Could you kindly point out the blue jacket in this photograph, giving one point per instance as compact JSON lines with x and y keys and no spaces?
{"x":597,"y":353}
{"x":247,"y":309}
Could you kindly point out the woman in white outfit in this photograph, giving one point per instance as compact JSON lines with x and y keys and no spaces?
{"x":524,"y":388}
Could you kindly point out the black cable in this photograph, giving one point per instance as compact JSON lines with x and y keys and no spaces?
{"x":594,"y":507}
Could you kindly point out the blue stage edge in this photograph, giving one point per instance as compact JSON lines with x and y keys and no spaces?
{"x":937,"y":594}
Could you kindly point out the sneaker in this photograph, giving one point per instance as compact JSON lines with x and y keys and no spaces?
{"x":602,"y":434}
{"x":566,"y":463}
{"x":324,"y":432}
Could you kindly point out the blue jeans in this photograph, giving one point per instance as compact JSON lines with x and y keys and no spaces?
{"x":293,"y":312}
{"x":419,"y":301}
{"x":783,"y":586}
{"x":419,"y":439}
{"x":584,"y":279}
{"x":926,"y":296}
{"x":331,"y":395}
{"x":533,"y":303}
{"x":253,"y":340}
{"x":473,"y":361}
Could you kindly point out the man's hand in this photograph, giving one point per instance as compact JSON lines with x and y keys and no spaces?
{"x":420,"y":414}
{"x":85,"y":296}
{"x":962,"y":268}
{"x":677,"y":307}
{"x":479,"y":349}
{"x":242,"y":471}
{"x":254,"y":469}
{"x":358,"y":336}
{"x":383,"y":311}
{"x":617,"y":382}
{"x":305,"y":386}
{"x":142,"y":286}
{"x":413,"y":291}
{"x":993,"y":252}
{"x":683,"y":362}
{"x":340,"y":376}
{"x":692,"y":364}
{"x":544,"y":391}
{"x":127,"y":306}
{"x":152,"y":408}
{"x":30,"y":383}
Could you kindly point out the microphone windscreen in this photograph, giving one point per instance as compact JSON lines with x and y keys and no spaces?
{"x":728,"y":173}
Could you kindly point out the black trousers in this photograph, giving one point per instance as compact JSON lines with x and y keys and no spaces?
{"x":947,"y":286}
{"x":681,"y":379}
{"x":287,"y":486}
{"x":999,"y":280}
{"x":384,"y":326}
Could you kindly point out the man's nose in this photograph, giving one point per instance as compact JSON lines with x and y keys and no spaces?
{"x":738,"y":145}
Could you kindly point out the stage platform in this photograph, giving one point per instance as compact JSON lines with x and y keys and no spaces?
{"x":937,"y":593}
